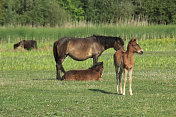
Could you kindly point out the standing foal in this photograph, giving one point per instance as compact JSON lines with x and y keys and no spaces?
{"x":125,"y":61}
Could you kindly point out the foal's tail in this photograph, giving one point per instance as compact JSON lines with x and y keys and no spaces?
{"x":118,"y":58}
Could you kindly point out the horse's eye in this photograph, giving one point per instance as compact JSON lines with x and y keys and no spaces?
{"x":134,"y":45}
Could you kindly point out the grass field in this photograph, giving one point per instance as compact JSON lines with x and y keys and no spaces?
{"x":29,"y":88}
{"x":28,"y":85}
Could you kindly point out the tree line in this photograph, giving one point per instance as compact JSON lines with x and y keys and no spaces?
{"x":58,"y":12}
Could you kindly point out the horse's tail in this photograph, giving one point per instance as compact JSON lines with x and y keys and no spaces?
{"x":35,"y":44}
{"x":60,"y":48}
{"x":55,"y":52}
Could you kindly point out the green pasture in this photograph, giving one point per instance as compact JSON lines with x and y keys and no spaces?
{"x":28,"y":85}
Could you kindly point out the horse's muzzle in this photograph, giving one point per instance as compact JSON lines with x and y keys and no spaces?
{"x":122,"y":49}
{"x":141,"y":52}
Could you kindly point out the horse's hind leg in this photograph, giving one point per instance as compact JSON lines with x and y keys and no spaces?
{"x":130,"y":81}
{"x":117,"y":79}
{"x":59,"y":68}
{"x":125,"y":74}
{"x":58,"y":72}
{"x":62,"y":69}
{"x":120,"y":77}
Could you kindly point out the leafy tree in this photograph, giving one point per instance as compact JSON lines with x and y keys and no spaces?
{"x":107,"y":10}
{"x":1,"y":12}
{"x":74,"y":8}
{"x":8,"y":12}
{"x":57,"y":12}
{"x":33,"y":12}
{"x":157,"y":11}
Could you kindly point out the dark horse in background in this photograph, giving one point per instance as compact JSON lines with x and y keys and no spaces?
{"x":83,"y":48}
{"x":26,"y":44}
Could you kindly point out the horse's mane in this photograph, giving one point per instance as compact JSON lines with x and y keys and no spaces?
{"x":107,"y":41}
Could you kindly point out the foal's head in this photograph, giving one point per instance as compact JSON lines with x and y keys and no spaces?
{"x":98,"y":68}
{"x":134,"y":47}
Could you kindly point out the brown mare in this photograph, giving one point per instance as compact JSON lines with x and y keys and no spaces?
{"x":125,"y":61}
{"x":93,"y":73}
{"x":83,"y":48}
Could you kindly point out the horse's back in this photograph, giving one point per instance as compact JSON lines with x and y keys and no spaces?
{"x":28,"y":44}
{"x":83,"y":48}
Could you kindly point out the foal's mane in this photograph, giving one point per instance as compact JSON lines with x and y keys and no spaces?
{"x":94,"y":66}
{"x":129,"y":43}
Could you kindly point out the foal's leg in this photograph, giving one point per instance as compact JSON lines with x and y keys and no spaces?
{"x":120,"y":77}
{"x":125,"y":74}
{"x":130,"y":81}
{"x":117,"y":78}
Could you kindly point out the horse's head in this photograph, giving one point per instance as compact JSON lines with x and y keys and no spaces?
{"x":134,"y":46}
{"x":118,"y":44}
{"x":19,"y":44}
{"x":15,"y":45}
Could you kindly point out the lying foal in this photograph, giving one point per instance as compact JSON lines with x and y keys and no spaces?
{"x":93,"y":73}
{"x":125,"y":61}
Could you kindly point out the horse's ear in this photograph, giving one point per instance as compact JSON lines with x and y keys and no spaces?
{"x":134,"y":39}
{"x":102,"y":62}
{"x":117,"y":38}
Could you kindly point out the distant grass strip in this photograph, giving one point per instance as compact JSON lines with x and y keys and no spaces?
{"x":14,"y":34}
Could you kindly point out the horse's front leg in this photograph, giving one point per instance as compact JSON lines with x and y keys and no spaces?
{"x":95,"y":59}
{"x":130,"y":81}
{"x":125,"y":74}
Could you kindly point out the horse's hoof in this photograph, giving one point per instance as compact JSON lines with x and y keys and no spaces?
{"x":58,"y":78}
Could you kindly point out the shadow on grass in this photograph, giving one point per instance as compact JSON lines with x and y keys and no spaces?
{"x":44,"y":79}
{"x":101,"y":91}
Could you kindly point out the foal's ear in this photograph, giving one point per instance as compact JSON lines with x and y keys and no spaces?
{"x":134,"y":39}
